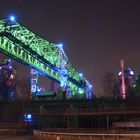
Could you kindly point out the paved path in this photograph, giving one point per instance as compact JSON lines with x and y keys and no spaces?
{"x":24,"y":137}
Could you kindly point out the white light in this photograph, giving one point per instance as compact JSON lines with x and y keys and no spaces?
{"x":10,"y":67}
{"x":134,"y":85}
{"x":38,"y":90}
{"x":90,"y":86}
{"x":60,"y":45}
{"x":9,"y":60}
{"x":81,"y":74}
{"x":11,"y":76}
{"x":131,"y":72}
{"x":61,"y":85}
{"x":120,"y":73}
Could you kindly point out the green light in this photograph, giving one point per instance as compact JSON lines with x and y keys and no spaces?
{"x":28,"y":48}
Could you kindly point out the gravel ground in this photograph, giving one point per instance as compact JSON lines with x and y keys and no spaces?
{"x":24,"y":137}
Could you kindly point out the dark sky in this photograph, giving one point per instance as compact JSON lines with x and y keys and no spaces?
{"x":96,"y":33}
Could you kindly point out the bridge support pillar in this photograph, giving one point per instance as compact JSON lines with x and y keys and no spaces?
{"x":34,"y":82}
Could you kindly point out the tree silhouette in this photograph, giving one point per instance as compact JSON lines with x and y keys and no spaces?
{"x":137,"y":86}
{"x":108,"y":81}
{"x":23,"y":88}
{"x":7,"y":82}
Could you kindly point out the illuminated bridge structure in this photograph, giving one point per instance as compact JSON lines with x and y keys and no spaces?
{"x":48,"y":59}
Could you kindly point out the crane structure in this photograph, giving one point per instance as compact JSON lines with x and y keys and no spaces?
{"x":46,"y":58}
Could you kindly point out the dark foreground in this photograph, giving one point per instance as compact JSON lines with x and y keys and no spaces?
{"x":23,"y":137}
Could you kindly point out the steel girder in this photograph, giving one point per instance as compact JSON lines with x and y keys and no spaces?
{"x":28,"y":48}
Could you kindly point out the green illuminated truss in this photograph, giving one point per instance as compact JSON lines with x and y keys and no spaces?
{"x":29,"y":49}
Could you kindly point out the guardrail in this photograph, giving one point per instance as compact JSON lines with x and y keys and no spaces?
{"x":82,"y":111}
{"x":41,"y":135}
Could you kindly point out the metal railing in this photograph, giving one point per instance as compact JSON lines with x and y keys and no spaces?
{"x":41,"y":135}
{"x":83,"y":111}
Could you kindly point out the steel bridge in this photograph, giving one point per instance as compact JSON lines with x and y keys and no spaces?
{"x":46,"y":58}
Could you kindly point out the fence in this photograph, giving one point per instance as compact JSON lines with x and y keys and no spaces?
{"x":41,"y":135}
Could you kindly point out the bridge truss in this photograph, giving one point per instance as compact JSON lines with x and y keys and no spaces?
{"x":47,"y":58}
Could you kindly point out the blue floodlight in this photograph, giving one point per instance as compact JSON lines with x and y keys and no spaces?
{"x":29,"y":116}
{"x":12,"y":18}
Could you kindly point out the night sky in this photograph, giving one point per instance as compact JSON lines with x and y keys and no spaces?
{"x":96,"y":33}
